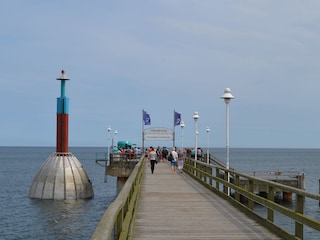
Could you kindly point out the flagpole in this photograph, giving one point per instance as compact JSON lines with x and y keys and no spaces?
{"x":174,"y":127}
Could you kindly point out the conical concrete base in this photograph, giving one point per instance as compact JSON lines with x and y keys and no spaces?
{"x":61,"y":177}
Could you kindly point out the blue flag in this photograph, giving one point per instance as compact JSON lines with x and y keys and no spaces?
{"x":177,"y":118}
{"x":146,"y":118}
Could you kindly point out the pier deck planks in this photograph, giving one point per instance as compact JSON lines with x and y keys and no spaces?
{"x":174,"y":206}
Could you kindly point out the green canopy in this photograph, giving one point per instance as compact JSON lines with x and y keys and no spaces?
{"x":124,"y":144}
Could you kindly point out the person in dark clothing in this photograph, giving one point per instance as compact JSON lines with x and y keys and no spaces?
{"x":164,"y":154}
{"x":152,"y":157}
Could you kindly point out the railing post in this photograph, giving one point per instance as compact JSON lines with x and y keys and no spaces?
{"x":270,"y":198}
{"x":251,"y":190}
{"x":226,"y":188}
{"x":237,"y":183}
{"x":209,"y":170}
{"x":218,"y":176}
{"x":299,"y":209}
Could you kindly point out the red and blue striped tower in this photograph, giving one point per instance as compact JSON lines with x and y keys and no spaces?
{"x":62,"y":117}
{"x":62,"y":176}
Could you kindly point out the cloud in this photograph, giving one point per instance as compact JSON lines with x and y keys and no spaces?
{"x":123,"y":57}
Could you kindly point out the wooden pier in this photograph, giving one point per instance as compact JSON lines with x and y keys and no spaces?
{"x":196,"y":205}
{"x":174,"y":206}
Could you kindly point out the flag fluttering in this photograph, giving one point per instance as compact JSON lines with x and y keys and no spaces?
{"x":177,"y":118}
{"x":146,"y":118}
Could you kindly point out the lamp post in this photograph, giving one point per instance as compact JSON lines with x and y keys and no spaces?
{"x":227,"y":96}
{"x":108,"y":129}
{"x":195,"y":118}
{"x":115,"y":137}
{"x":182,"y":125}
{"x":207,"y":130}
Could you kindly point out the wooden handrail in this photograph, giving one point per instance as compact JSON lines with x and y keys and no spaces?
{"x":204,"y":173}
{"x":118,"y":217}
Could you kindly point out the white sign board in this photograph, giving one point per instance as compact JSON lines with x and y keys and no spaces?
{"x":158,"y":134}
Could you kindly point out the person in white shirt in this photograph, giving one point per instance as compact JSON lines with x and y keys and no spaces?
{"x":174,"y":161}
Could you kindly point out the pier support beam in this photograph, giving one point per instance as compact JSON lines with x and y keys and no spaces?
{"x":287,"y":196}
{"x":120,"y":183}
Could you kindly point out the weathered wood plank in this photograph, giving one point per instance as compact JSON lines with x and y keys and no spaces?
{"x":173,"y":206}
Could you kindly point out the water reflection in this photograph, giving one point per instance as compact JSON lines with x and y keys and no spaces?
{"x":61,"y":219}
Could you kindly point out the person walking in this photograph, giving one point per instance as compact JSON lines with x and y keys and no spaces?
{"x":152,"y":157}
{"x":180,"y":160}
{"x":164,"y":154}
{"x":158,"y":151}
{"x":174,"y":155}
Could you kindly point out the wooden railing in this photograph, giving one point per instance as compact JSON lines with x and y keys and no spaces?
{"x":102,"y":157}
{"x":116,"y":221}
{"x":215,"y":178}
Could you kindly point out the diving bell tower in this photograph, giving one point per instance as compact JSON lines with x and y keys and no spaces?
{"x":62,"y":176}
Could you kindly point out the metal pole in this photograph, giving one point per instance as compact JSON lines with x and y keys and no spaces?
{"x":196,"y":149}
{"x":115,"y":139}
{"x":174,"y":129}
{"x":196,"y":117}
{"x":227,"y":98}
{"x":227,"y":143}
{"x":227,"y":132}
{"x":108,"y":129}
{"x":182,"y":126}
{"x":208,"y":130}
{"x":182,"y":138}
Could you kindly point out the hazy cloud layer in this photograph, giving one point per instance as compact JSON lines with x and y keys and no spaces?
{"x":161,"y":55}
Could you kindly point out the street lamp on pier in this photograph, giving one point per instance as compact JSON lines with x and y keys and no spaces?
{"x":115,"y":138}
{"x":207,"y":130}
{"x":182,"y":125}
{"x":108,"y":129}
{"x":195,"y":118}
{"x":227,"y":96}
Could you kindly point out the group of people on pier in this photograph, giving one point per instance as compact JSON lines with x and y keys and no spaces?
{"x":120,"y":153}
{"x":159,"y":155}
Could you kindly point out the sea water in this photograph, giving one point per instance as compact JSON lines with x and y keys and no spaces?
{"x":25,"y":218}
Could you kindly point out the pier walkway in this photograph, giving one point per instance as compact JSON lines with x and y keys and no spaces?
{"x":174,"y":206}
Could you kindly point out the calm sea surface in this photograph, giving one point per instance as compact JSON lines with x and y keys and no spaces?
{"x":24,"y":218}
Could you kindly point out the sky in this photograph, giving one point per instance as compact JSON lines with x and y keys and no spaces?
{"x":160,"y":56}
